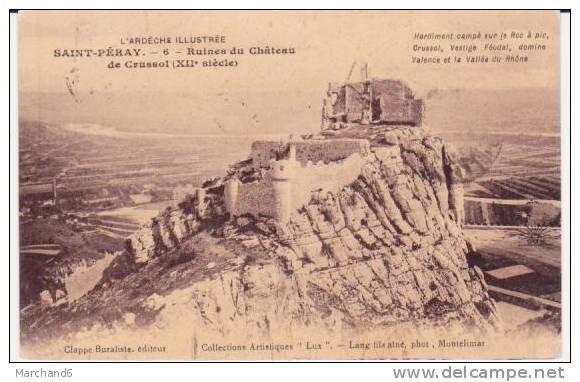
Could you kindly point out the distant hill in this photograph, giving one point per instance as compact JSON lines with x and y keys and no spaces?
{"x":517,"y":110}
{"x":180,"y":113}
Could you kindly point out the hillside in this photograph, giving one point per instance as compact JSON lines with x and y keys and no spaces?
{"x":383,"y":251}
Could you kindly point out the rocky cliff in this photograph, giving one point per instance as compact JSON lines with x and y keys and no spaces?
{"x":384,"y":250}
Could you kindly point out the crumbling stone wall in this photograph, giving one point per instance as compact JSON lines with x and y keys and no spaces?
{"x":260,"y":197}
{"x":392,"y":89}
{"x":401,"y":111}
{"x":382,"y":249}
{"x":307,"y":151}
{"x":256,"y":198}
{"x":386,"y":101}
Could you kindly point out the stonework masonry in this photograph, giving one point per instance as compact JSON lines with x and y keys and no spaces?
{"x":290,"y":184}
{"x":263,"y":152}
{"x":371,"y":102}
{"x":375,"y":239}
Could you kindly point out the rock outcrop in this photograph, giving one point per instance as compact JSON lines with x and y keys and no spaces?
{"x":385,"y":249}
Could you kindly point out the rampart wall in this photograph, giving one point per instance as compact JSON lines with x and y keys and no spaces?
{"x":256,"y":198}
{"x":308,"y":151}
{"x":261,"y":197}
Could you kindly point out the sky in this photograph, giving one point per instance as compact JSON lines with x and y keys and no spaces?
{"x":263,"y":90}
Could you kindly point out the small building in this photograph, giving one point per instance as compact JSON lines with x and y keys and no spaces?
{"x":371,"y":102}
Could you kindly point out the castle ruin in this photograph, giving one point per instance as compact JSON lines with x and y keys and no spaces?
{"x":388,"y":102}
{"x":287,"y":175}
{"x":290,"y":175}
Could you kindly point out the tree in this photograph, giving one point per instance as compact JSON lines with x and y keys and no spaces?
{"x":536,"y":235}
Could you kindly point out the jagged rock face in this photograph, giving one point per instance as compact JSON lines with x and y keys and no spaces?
{"x":173,"y":226}
{"x":385,"y":249}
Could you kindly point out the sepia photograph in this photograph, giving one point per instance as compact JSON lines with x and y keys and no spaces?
{"x":289,"y":185}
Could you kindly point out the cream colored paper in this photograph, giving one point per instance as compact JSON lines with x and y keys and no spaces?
{"x":276,"y":185}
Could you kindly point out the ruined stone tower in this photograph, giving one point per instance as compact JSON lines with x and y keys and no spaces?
{"x":283,"y":173}
{"x":231,"y":194}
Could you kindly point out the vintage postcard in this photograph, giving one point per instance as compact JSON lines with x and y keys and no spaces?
{"x":282,"y":185}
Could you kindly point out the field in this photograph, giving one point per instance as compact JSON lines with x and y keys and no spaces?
{"x":75,"y":248}
{"x":525,"y":167}
{"x":500,"y":248}
{"x":97,"y":169}
{"x":512,"y":181}
{"x":121,"y":222}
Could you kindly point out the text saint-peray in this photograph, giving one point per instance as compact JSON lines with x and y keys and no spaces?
{"x":108,"y":52}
